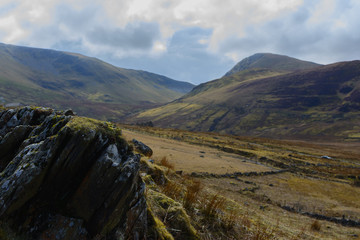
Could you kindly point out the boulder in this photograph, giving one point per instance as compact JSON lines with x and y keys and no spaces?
{"x":142,"y":148}
{"x":69,"y":112}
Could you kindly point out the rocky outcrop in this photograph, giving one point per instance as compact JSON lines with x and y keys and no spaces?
{"x":67,"y":177}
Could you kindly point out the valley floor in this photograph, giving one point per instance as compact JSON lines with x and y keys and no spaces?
{"x":193,"y":158}
{"x":287,"y":189}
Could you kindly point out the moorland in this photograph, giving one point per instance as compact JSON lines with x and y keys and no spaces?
{"x":271,"y":189}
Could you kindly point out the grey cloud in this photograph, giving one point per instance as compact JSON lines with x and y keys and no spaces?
{"x":134,"y":35}
{"x":186,"y":41}
{"x":65,"y":30}
{"x":186,"y":59}
{"x":71,"y":28}
{"x":296,"y":36}
{"x":77,"y":19}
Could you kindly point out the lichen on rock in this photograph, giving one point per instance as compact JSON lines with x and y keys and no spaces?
{"x":173,"y":214}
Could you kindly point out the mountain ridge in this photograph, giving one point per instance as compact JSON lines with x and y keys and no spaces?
{"x":61,"y":80}
{"x":272,"y":61}
{"x":322,"y":101}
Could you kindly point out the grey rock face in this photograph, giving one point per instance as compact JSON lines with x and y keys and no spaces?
{"x":66,"y":177}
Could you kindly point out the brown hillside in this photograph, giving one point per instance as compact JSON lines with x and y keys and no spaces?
{"x":317,"y":102}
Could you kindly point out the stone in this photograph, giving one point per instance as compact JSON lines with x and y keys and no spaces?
{"x":142,"y":148}
{"x":69,"y":112}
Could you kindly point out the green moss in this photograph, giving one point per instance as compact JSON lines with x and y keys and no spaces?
{"x":85,"y":124}
{"x":173,"y":214}
{"x":156,"y":172}
{"x":156,"y":228}
{"x":148,"y":180}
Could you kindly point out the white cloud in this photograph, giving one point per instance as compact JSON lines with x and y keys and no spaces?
{"x":322,"y":11}
{"x":159,"y":48}
{"x":319,"y":30}
{"x":10,"y":29}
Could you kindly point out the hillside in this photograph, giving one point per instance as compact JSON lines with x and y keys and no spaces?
{"x":323,"y":101}
{"x":272,"y":61}
{"x":89,"y":86}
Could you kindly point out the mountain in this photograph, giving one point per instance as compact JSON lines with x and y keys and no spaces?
{"x":88,"y":85}
{"x":321,"y":101}
{"x":271,"y":61}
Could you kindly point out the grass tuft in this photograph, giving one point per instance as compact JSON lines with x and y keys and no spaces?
{"x":315,"y":226}
{"x":165,"y":162}
{"x":173,"y":190}
{"x":192,"y":194}
{"x":213,"y":205}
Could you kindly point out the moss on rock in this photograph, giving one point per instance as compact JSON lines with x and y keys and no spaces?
{"x":156,"y":228}
{"x":173,"y":214}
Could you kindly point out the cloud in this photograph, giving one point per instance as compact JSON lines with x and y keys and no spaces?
{"x":133,"y":36}
{"x":186,"y":58}
{"x":186,"y":39}
{"x":321,"y":31}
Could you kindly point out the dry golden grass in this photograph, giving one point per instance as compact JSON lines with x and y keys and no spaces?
{"x":311,"y":185}
{"x":166,"y":163}
{"x":192,"y":158}
{"x":173,"y":189}
{"x":261,"y":232}
{"x":315,"y":226}
{"x":212,"y":205}
{"x":193,"y":189}
{"x":344,"y":150}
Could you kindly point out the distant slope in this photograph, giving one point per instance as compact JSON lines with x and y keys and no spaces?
{"x":324,"y":101}
{"x":90,"y":86}
{"x":272,"y":61}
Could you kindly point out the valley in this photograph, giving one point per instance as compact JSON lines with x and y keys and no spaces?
{"x":284,"y":186}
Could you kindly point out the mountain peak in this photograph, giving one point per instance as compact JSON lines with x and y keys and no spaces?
{"x":271,"y":61}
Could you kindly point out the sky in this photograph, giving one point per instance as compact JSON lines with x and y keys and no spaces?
{"x":187,"y":40}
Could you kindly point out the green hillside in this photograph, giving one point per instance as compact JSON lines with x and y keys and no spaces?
{"x":324,"y":101}
{"x":272,"y":61}
{"x":88,"y":85}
